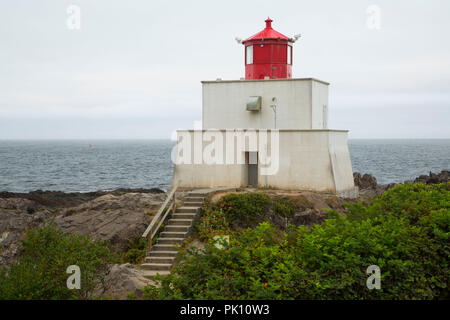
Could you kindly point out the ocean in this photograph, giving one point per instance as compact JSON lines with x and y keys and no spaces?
{"x":84,"y":166}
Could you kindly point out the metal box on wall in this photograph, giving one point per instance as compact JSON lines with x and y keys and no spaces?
{"x":254,"y":103}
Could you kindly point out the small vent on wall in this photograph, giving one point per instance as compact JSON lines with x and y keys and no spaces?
{"x":254,"y":103}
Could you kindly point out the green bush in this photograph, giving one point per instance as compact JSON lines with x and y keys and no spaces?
{"x":241,"y":210}
{"x":232,"y":210}
{"x":40,"y":273}
{"x":244,"y":208}
{"x":135,"y":251}
{"x":403,"y":231}
{"x":284,"y":208}
{"x":244,"y":271}
{"x":213,"y":222}
{"x":412,"y":201}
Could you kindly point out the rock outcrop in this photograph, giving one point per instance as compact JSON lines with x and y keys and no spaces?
{"x":368,"y":186}
{"x":117,"y":217}
{"x":308,"y":217}
{"x":14,"y":221}
{"x":122,"y":280}
{"x":442,"y":177}
{"x":58,"y":199}
{"x":367,"y":181}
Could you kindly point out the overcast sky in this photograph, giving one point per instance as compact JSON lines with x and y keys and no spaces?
{"x":134,"y":68}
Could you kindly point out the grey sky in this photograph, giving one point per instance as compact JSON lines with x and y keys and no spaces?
{"x":134,"y":68}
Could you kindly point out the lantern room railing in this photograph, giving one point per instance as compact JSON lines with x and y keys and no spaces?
{"x":167,"y":207}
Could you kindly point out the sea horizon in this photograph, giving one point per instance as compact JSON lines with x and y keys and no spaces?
{"x":89,"y":165}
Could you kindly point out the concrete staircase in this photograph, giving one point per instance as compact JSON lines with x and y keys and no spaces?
{"x":180,"y":225}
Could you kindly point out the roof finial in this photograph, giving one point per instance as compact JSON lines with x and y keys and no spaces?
{"x":269,"y":23}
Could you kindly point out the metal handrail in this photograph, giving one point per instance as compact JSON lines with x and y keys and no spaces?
{"x":149,"y":233}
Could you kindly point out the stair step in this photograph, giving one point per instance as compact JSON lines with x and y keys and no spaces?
{"x":180,"y":222}
{"x":170,"y":240}
{"x":171,"y":234}
{"x":163,"y":253}
{"x":173,"y":228}
{"x":197,"y":194}
{"x":186,"y":210}
{"x":186,"y":216}
{"x":161,"y":260}
{"x":194,"y":199}
{"x":156,"y":266}
{"x":164,"y":247}
{"x":149,"y":274}
{"x":193,"y":204}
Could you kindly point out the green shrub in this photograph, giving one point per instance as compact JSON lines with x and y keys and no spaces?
{"x":244,"y":208}
{"x":131,"y":296}
{"x":240,"y":209}
{"x":337,"y":254}
{"x":404,"y":231}
{"x":40,"y":273}
{"x":135,"y":251}
{"x":244,"y":271}
{"x":152,"y":292}
{"x":234,"y":212}
{"x":412,"y":201}
{"x":284,"y":208}
{"x":213,"y":222}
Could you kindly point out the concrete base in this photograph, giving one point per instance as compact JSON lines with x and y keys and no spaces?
{"x":349,"y":194}
{"x":315,"y":160}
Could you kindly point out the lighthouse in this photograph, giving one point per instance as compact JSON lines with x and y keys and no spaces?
{"x":267,"y":130}
{"x":268,"y":54}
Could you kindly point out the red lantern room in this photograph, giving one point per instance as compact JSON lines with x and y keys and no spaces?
{"x":268,"y":54}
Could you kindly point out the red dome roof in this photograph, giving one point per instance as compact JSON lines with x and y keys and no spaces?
{"x":267,"y":33}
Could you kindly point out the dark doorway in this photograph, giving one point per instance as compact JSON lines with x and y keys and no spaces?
{"x":252,"y":166}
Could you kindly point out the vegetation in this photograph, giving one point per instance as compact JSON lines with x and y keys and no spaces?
{"x":135,"y":251}
{"x":237,"y":211}
{"x":404,"y":231}
{"x":40,"y":273}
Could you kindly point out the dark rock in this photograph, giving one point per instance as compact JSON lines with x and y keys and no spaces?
{"x":432,"y":178}
{"x":14,"y":221}
{"x":308,"y":217}
{"x":58,"y":199}
{"x":136,"y":190}
{"x":390,"y":185}
{"x":367,"y":181}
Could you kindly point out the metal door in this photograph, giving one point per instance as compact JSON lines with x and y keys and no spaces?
{"x":253,"y":169}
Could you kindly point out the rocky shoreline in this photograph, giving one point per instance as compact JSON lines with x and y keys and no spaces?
{"x":59,"y":199}
{"x":368,"y":185}
{"x":121,"y":216}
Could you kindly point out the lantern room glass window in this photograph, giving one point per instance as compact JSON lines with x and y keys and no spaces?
{"x":289,"y":55}
{"x":249,"y":55}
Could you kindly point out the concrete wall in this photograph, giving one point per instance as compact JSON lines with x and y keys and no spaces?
{"x":316,"y":160}
{"x":319,"y":105}
{"x":299,"y":104}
